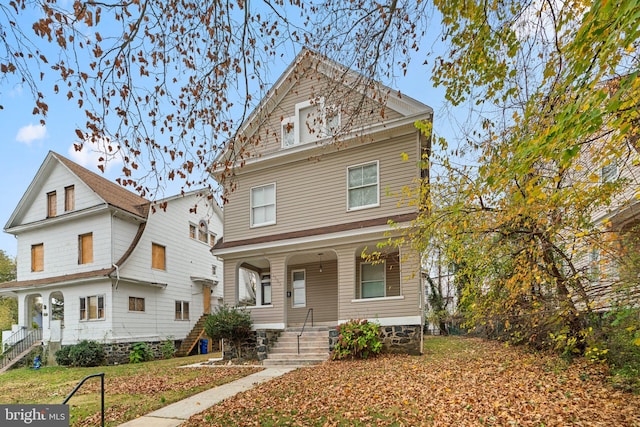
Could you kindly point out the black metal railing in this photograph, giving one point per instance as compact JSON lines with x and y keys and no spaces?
{"x":310,"y":311}
{"x":101,"y":375}
{"x":16,"y":349}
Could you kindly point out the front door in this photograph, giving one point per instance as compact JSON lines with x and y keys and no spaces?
{"x":299,"y":289}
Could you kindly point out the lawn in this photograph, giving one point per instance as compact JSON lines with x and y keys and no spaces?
{"x":130,"y":390}
{"x":457,"y":382}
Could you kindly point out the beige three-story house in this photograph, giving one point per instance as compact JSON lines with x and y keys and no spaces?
{"x":313,"y":179}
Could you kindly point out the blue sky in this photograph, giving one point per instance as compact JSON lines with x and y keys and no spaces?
{"x":26,"y":143}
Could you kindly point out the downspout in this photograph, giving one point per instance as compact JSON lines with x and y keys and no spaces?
{"x":117,"y":274}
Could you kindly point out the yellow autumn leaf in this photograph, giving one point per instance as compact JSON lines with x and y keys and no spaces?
{"x":637,"y":342}
{"x":404,"y":156}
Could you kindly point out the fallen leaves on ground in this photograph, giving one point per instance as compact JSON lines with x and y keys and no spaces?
{"x":157,"y":388}
{"x":477,"y":383}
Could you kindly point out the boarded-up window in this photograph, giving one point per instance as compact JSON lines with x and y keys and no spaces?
{"x":158,"y":259}
{"x":51,"y":204}
{"x":192,"y":231}
{"x":136,"y":304}
{"x":92,"y":308}
{"x":85,"y":248}
{"x":37,"y":257}
{"x":182,"y":310}
{"x":69,"y":198}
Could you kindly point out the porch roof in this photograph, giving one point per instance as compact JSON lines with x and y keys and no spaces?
{"x":26,"y":284}
{"x":221,"y":245}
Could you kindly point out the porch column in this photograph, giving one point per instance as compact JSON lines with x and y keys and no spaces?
{"x":346,"y":282}
{"x":279,"y":279}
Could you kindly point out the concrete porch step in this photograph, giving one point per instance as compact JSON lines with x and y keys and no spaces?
{"x":295,"y":359}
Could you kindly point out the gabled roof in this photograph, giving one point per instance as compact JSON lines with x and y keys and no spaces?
{"x":108,"y":191}
{"x":403,"y":104}
{"x":111,"y":193}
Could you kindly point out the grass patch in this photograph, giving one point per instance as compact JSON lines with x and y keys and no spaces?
{"x":130,"y":390}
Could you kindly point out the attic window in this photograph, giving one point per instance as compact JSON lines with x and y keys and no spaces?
{"x":312,"y":121}
{"x":51,"y":204}
{"x":69,"y":198}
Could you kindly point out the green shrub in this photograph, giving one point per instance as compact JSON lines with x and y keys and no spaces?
{"x":167,"y":348}
{"x":357,"y":339}
{"x":140,"y":352}
{"x":619,"y":346}
{"x":230,"y":323}
{"x":83,"y":354}
{"x":62,"y":356}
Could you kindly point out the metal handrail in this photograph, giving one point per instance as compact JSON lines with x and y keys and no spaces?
{"x":310,"y":311}
{"x":22,"y":345}
{"x":101,"y":375}
{"x":15,"y":338}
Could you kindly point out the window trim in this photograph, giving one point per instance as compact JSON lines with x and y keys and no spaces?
{"x":136,"y":300}
{"x":609,"y":172}
{"x":293,"y":291}
{"x":87,"y":318}
{"x":384,"y":280}
{"x":283,"y":125}
{"x":81,"y":238}
{"x":377,"y":184}
{"x":52,"y":204}
{"x":182,"y":305}
{"x":69,"y":198}
{"x":252,"y":224}
{"x":164,"y":262}
{"x":33,"y":248}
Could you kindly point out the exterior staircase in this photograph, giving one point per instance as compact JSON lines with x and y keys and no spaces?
{"x":314,"y":347}
{"x":193,"y":338}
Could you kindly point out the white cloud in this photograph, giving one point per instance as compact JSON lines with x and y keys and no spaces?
{"x":28,"y":134}
{"x":92,"y":152}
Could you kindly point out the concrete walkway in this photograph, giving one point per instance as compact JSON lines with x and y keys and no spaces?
{"x":175,"y":414}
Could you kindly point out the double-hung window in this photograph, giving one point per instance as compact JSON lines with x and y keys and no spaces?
{"x":362,"y":184}
{"x":92,"y":307}
{"x":609,"y":172}
{"x":311,"y":122}
{"x":263,"y":205}
{"x":136,"y":304}
{"x":182,"y":310}
{"x":372,"y":280}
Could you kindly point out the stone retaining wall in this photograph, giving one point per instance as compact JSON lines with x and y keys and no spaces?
{"x":404,"y":339}
{"x":264,"y":341}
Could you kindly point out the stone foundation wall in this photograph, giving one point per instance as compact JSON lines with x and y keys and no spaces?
{"x":404,"y":339}
{"x":118,"y":353}
{"x":249,"y":349}
{"x":264,"y":340}
{"x":401,"y":339}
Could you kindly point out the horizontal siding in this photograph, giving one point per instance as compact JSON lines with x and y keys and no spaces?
{"x":312,"y":193}
{"x":75,"y":330}
{"x":58,"y":179}
{"x":356,"y":110}
{"x":408,"y":305}
{"x":392,"y":275}
{"x":61,"y":247}
{"x":321,"y":293}
{"x":185,"y":258}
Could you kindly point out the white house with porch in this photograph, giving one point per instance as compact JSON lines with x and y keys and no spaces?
{"x":98,"y":262}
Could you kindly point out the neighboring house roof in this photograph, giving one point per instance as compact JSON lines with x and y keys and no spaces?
{"x":110,"y":192}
